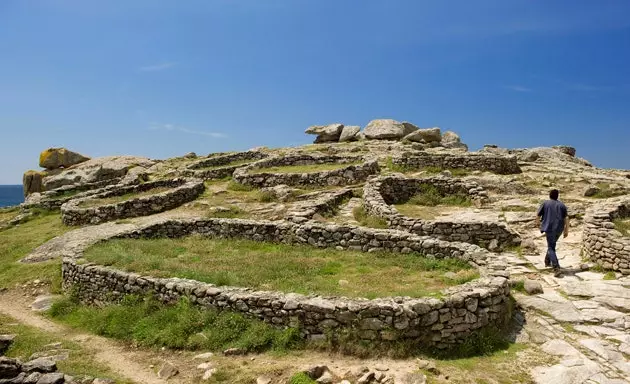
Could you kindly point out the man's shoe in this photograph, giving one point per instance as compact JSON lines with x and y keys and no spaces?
{"x":557,"y":272}
{"x":547,"y":262}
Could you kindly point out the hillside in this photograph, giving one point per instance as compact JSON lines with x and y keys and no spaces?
{"x":363,"y":251}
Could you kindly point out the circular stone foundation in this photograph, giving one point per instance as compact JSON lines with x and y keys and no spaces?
{"x":603,"y":242}
{"x":381,"y":193}
{"x":222,"y":165}
{"x":351,"y":174}
{"x":440,"y":322}
{"x":81,"y":211}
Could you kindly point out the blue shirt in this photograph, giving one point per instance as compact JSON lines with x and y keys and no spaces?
{"x":553,"y":213}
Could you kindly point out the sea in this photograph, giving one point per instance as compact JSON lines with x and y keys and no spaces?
{"x":11,"y":195}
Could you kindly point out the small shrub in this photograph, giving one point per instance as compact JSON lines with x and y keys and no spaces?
{"x":610,"y":275}
{"x":267,"y":197}
{"x":238,"y":187}
{"x":367,"y":220}
{"x":518,"y":285}
{"x":481,"y":343}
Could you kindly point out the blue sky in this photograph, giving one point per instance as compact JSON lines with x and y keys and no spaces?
{"x":162,"y":78}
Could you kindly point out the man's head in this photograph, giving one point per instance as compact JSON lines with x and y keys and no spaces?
{"x":553,"y":195}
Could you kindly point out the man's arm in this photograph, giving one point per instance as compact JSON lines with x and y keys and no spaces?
{"x":539,"y":214}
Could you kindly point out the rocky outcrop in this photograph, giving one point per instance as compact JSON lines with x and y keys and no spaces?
{"x":325,"y":133}
{"x":429,"y":135}
{"x":387,"y":129}
{"x":53,"y":158}
{"x":32,"y":182}
{"x":96,"y":170}
{"x":452,"y":140}
{"x":349,"y":133}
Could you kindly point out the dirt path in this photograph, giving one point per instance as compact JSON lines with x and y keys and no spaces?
{"x":109,"y":353}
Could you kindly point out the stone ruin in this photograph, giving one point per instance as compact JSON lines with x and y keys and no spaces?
{"x":602,"y":242}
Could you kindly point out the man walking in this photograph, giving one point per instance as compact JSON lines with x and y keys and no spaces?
{"x":554,"y":222}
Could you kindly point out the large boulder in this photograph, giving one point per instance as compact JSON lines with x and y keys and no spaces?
{"x":53,"y":158}
{"x":388,"y":129}
{"x":32,"y":182}
{"x":325,"y":133}
{"x":452,"y":140}
{"x":428,"y":135}
{"x":565,"y":149}
{"x":96,"y":170}
{"x":349,"y":133}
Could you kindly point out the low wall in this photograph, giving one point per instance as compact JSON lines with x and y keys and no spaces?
{"x":473,"y":161}
{"x":51,"y":200}
{"x":380,"y":193}
{"x":323,"y":203}
{"x":602,"y":243}
{"x":223,"y":161}
{"x":435,"y":322}
{"x":182,"y":192}
{"x":351,"y":174}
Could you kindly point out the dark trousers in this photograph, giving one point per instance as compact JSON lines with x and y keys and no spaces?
{"x":551,"y":257}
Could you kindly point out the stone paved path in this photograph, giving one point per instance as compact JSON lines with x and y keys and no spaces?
{"x":581,"y":320}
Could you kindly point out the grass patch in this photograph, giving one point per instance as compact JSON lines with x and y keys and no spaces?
{"x":517,"y":208}
{"x":367,"y":220}
{"x":431,"y":196}
{"x":389,"y":164}
{"x":301,"y":378}
{"x":238,"y":187}
{"x":149,"y":323}
{"x":306,"y":168}
{"x":518,"y":286}
{"x":605,"y":191}
{"x":623,"y":226}
{"x":29,"y":340}
{"x":119,"y":199}
{"x":289,"y":268}
{"x":610,"y":275}
{"x":19,"y":240}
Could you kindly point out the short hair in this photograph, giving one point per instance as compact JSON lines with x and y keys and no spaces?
{"x":554,"y":194}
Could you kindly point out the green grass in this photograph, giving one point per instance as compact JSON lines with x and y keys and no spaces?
{"x":518,"y":285}
{"x":389,"y":164}
{"x":121,"y":198}
{"x":307,"y":168}
{"x":301,"y":378}
{"x":19,"y":240}
{"x":288,"y":268}
{"x":517,"y":208}
{"x":29,"y":340}
{"x":605,"y":191}
{"x":610,"y":275}
{"x":149,"y":323}
{"x":367,"y":220}
{"x":623,"y":226}
{"x":238,"y":187}
{"x":431,"y":196}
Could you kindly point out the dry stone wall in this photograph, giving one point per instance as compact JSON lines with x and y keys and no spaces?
{"x":380,"y":193}
{"x":602,"y":242}
{"x":351,"y":174}
{"x":435,"y":322}
{"x":54,"y":199}
{"x":183,"y":191}
{"x":323,"y":203}
{"x":473,"y":161}
{"x":223,"y":161}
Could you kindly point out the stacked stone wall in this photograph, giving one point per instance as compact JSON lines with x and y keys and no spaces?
{"x":50,"y":200}
{"x":322,"y":203}
{"x":183,"y":191}
{"x":223,"y":161}
{"x":602,"y":242}
{"x":437,"y":322}
{"x":472,"y":161}
{"x":380,"y":193}
{"x":351,"y":174}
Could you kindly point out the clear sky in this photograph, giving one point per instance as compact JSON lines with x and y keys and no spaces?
{"x":162,"y":78}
